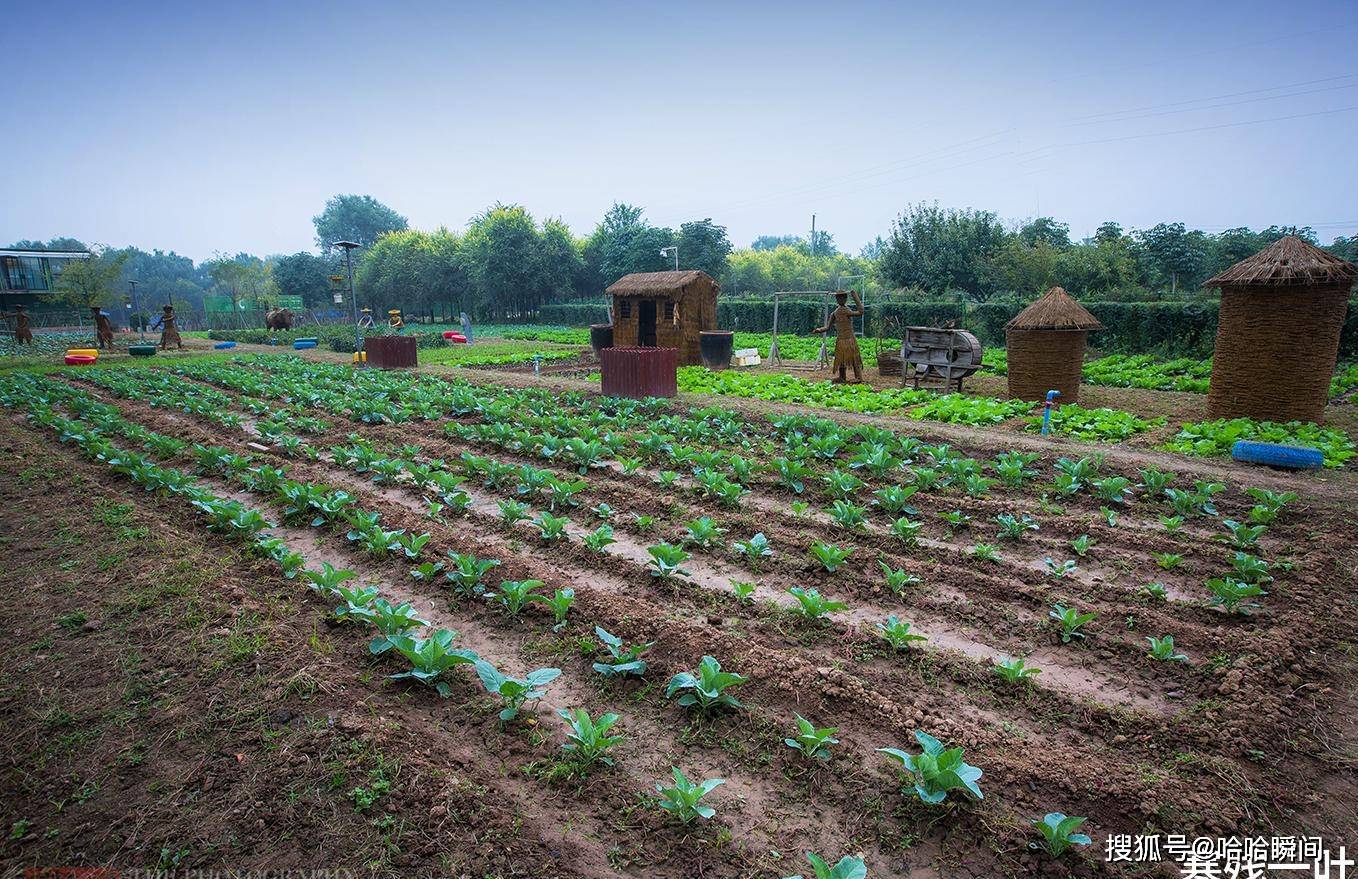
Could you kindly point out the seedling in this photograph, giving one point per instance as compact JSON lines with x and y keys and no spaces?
{"x":850,"y":516}
{"x":937,"y":771}
{"x":849,"y":867}
{"x":1234,"y":596}
{"x":357,"y":602}
{"x":393,"y":622}
{"x":1168,"y":560}
{"x":550,"y":528}
{"x":1154,"y":481}
{"x":667,"y":561}
{"x":1082,"y":544}
{"x":1058,"y":831}
{"x":622,"y":659}
{"x":1244,"y":536}
{"x":897,"y":580}
{"x":985,"y":552}
{"x":1251,"y":569}
{"x":513,"y":512}
{"x":1156,"y":591}
{"x":956,"y":519}
{"x":1113,"y":489}
{"x":1172,"y":524}
{"x":1163,"y":650}
{"x":703,"y":532}
{"x":426,"y":571}
{"x":813,"y":605}
{"x":1016,"y":670}
{"x":681,"y":800}
{"x":514,"y":692}
{"x":706,"y":688}
{"x":813,"y":743}
{"x":829,"y":555}
{"x":643,"y":524}
{"x":897,"y":633}
{"x":1059,"y":569}
{"x":431,"y":657}
{"x":906,"y":529}
{"x":587,"y":739}
{"x":600,"y":538}
{"x":743,"y":590}
{"x":514,"y":595}
{"x":1071,"y":621}
{"x":559,"y":603}
{"x":754,"y":550}
{"x":468,"y":570}
{"x":1110,"y":516}
{"x":328,"y":579}
{"x":1014,"y":527}
{"x":895,"y":500}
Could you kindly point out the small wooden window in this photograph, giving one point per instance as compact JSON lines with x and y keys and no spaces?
{"x":669,"y":310}
{"x":625,"y":308}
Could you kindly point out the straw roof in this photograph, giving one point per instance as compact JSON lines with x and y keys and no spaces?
{"x":657,"y":283}
{"x":1288,"y":261}
{"x":1054,"y":310}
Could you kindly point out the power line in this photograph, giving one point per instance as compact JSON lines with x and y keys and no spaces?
{"x":1081,"y":119}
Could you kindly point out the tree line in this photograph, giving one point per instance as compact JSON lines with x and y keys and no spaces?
{"x":506,"y":264}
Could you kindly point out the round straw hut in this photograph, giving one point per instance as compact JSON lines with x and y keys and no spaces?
{"x":1046,"y":343}
{"x":1278,"y":334}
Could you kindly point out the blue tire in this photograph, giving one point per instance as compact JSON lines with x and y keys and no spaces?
{"x":300,"y":344}
{"x":220,"y":346}
{"x":1275,"y":455}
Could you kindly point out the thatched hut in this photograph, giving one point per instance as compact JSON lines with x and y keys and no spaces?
{"x":664,"y":310}
{"x":1046,"y":343}
{"x":1278,"y":334}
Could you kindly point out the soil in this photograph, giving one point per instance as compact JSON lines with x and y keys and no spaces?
{"x":206,"y":712}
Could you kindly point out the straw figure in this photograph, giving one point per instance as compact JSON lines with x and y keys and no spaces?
{"x":103,"y":328}
{"x":169,"y":334}
{"x":847,"y":355}
{"x":1282,"y":311}
{"x":23,"y":333}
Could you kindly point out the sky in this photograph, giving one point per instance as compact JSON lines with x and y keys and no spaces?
{"x":207,"y":129}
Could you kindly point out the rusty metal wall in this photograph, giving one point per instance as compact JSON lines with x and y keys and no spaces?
{"x":639,"y":372}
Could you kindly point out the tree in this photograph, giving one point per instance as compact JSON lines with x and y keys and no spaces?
{"x":87,"y":282}
{"x":243,"y":277}
{"x":1045,"y":230}
{"x":358,"y":218}
{"x":825,"y":243}
{"x":769,"y":242}
{"x":303,"y":274}
{"x":1108,"y":231}
{"x":623,"y":243}
{"x":500,"y":253}
{"x":1172,"y":255}
{"x":560,"y":261}
{"x":939,"y":250}
{"x":53,"y":244}
{"x":704,"y":245}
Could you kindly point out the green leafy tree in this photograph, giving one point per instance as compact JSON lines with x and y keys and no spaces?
{"x":303,"y":274}
{"x":86,"y":282}
{"x":704,"y":245}
{"x":502,"y":260}
{"x":938,"y":250}
{"x":358,"y":218}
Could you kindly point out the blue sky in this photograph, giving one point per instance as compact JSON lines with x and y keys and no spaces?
{"x":225,"y":128}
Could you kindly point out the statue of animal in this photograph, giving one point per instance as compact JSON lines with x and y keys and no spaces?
{"x":278,"y":319}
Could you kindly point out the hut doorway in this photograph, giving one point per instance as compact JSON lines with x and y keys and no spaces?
{"x":646,"y":323}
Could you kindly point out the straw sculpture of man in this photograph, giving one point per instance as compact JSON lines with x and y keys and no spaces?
{"x":103,"y":328}
{"x":170,"y":334}
{"x":847,"y":355}
{"x":23,"y":333}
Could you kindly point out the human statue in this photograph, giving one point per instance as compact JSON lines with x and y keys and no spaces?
{"x":365,"y":321}
{"x":846,"y":343}
{"x":394,"y":319}
{"x":466,"y":327}
{"x":23,"y":333}
{"x":169,"y":334}
{"x":103,"y":328}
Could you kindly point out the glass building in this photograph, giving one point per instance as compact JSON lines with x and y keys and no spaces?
{"x":26,"y":275}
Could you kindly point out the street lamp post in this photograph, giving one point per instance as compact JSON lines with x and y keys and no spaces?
{"x":671,"y":250}
{"x":136,"y":312}
{"x":353,"y":302}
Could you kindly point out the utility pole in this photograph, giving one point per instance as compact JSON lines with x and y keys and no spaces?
{"x":136,"y":312}
{"x":353,"y":302}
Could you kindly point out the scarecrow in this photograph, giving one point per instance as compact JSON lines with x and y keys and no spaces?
{"x":23,"y":335}
{"x":103,"y":328}
{"x":394,"y":319}
{"x":169,"y":333}
{"x":846,"y":344}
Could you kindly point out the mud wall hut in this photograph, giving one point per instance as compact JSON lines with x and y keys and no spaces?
{"x":1046,"y":343}
{"x":664,"y":310}
{"x":1278,"y":333}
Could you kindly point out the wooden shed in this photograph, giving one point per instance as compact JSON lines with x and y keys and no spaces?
{"x":664,"y":310}
{"x":1046,"y":343}
{"x":1278,"y":335}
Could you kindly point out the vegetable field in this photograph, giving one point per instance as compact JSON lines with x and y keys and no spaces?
{"x":464,"y":627}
